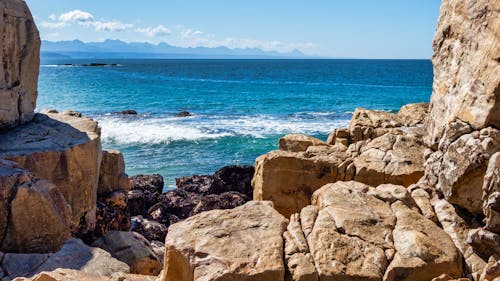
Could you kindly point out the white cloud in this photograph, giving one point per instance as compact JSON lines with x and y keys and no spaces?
{"x":76,"y":16}
{"x":52,"y":17}
{"x":53,"y":25}
{"x":157,"y":31}
{"x":113,"y":26}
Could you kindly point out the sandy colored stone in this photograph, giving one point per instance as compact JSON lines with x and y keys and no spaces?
{"x":34,"y":216}
{"x":423,"y":250}
{"x":245,"y":243}
{"x":112,"y":176}
{"x":458,"y":229}
{"x":423,"y":201}
{"x":466,"y":68}
{"x":298,"y":142}
{"x":446,"y":277}
{"x":491,"y":194}
{"x":132,"y":249}
{"x":20,"y":61}
{"x":76,"y":275}
{"x":297,"y":255}
{"x":64,"y":149}
{"x":413,"y":114}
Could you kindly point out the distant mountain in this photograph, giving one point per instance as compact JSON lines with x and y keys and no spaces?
{"x":118,"y":49}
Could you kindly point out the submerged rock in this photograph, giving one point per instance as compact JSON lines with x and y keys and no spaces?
{"x":183,"y":114}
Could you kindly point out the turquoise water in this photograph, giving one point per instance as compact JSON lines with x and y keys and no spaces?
{"x":240,"y":107}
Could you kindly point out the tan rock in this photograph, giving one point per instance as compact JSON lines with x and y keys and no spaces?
{"x":65,"y":150}
{"x":76,"y":275}
{"x":20,"y":63}
{"x":297,"y":256}
{"x":491,"y":194}
{"x":133,"y":249}
{"x":446,"y":277}
{"x":245,"y":243}
{"x":484,"y":242}
{"x":34,"y":216}
{"x":413,"y":114}
{"x":466,"y":69}
{"x":423,"y":201}
{"x":395,"y":159}
{"x":298,"y":142}
{"x":112,"y":176}
{"x":457,"y":229}
{"x":423,"y":250}
{"x":491,"y":271}
{"x":458,"y":170}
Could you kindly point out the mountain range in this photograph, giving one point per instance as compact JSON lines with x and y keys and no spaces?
{"x":77,"y":49}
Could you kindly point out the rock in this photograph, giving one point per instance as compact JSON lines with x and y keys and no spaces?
{"x":297,"y":255}
{"x":227,"y":200}
{"x":112,"y":176}
{"x":423,"y":201}
{"x":19,"y":265}
{"x":298,"y":142}
{"x":446,"y":277}
{"x":34,"y":216}
{"x":395,"y":159}
{"x":111,"y":214}
{"x":491,"y":194}
{"x":20,"y":63}
{"x":484,"y":242}
{"x":461,"y":184}
{"x":65,"y":150}
{"x":229,"y":178}
{"x":466,"y":81}
{"x":126,"y":112}
{"x":183,"y":114}
{"x":133,"y":249}
{"x":244,"y":243}
{"x":145,"y":192}
{"x":73,"y":275}
{"x":457,"y":229}
{"x":413,"y":114}
{"x":289,"y":178}
{"x":159,"y":249}
{"x":76,"y":255}
{"x":423,"y":250}
{"x":150,"y":229}
{"x":491,"y":271}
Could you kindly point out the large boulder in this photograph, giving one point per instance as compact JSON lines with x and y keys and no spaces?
{"x":244,"y":243}
{"x":357,"y":232}
{"x":112,"y":176}
{"x":34,"y":216}
{"x":491,"y":194}
{"x":19,"y":67}
{"x":466,"y":68}
{"x":298,"y":142}
{"x":65,"y":149}
{"x":78,"y":275}
{"x":133,"y":249}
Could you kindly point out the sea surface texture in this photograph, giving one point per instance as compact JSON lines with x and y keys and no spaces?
{"x":240,"y":107}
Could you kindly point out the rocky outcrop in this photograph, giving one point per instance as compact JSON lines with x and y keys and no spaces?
{"x":289,"y":178}
{"x":64,"y":149}
{"x":133,"y":249}
{"x":77,"y":275}
{"x":244,"y":243}
{"x":491,"y":194}
{"x":34,"y":216}
{"x":298,"y":142}
{"x":466,"y":81}
{"x":357,"y":232}
{"x":20,"y":54}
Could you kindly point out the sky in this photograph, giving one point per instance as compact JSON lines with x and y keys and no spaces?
{"x":327,"y":28}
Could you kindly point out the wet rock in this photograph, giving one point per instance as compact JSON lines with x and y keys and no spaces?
{"x":126,"y":112}
{"x":151,"y":230}
{"x":227,"y":200}
{"x":183,"y":114}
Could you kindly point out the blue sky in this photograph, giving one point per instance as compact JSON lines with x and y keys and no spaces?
{"x":328,"y":28}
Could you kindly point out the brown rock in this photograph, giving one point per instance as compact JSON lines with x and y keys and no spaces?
{"x":65,"y":150}
{"x":423,"y":250}
{"x":150,"y":229}
{"x":298,"y":142}
{"x":466,"y":69}
{"x":20,"y":63}
{"x":413,"y":114}
{"x":491,"y":194}
{"x":112,"y":176}
{"x":446,"y":277}
{"x":76,"y":275}
{"x":133,"y":249}
{"x":484,"y":242}
{"x":34,"y":214}
{"x":244,"y":243}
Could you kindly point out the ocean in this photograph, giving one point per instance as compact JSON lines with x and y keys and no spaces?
{"x":240,"y":107}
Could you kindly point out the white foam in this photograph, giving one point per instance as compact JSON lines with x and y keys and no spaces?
{"x":121,"y":130}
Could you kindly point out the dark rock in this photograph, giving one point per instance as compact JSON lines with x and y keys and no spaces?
{"x":196,"y":184}
{"x":153,"y":183}
{"x":236,"y":178}
{"x":126,"y":112}
{"x":150,"y":229}
{"x":183,"y":114}
{"x":227,"y":200}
